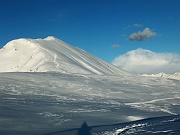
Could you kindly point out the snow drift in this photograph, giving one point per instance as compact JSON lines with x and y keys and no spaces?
{"x":51,"y":54}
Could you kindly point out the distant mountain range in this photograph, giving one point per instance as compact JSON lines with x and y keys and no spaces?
{"x":175,"y":76}
{"x":51,"y":54}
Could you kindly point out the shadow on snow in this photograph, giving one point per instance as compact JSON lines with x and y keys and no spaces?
{"x":172,"y":123}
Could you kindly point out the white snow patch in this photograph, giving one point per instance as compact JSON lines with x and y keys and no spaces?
{"x":88,"y":110}
{"x":50,"y":38}
{"x":164,"y":131}
{"x":121,"y":130}
{"x":134,"y":118}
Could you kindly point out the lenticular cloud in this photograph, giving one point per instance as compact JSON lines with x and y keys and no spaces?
{"x":145,"y":61}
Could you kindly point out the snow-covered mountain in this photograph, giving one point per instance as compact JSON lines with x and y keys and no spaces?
{"x":175,"y":76}
{"x":51,"y":54}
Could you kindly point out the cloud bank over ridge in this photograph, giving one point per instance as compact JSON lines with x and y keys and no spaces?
{"x":143,"y":61}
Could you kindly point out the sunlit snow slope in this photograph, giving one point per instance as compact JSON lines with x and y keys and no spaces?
{"x":51,"y":54}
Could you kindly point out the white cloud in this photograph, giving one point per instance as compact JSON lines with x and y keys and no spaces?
{"x":147,"y":62}
{"x":136,"y":25}
{"x":142,"y":35}
{"x":115,"y":46}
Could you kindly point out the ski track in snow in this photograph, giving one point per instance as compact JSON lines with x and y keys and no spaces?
{"x":52,"y":54}
{"x":57,"y":64}
{"x":149,"y":103}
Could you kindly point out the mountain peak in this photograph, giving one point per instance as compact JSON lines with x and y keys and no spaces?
{"x":50,"y":38}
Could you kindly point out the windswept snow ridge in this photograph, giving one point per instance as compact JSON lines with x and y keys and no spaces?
{"x":51,"y":54}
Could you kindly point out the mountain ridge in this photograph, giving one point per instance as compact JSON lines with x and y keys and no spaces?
{"x":51,"y":54}
{"x":175,"y":76}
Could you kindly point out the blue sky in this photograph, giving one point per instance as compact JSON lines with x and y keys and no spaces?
{"x":104,"y":28}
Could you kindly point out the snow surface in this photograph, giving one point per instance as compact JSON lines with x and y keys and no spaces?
{"x":48,"y":87}
{"x":58,"y":103}
{"x":51,"y":54}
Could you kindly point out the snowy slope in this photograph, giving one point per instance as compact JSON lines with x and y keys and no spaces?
{"x":51,"y":54}
{"x":175,"y":76}
{"x":54,"y":103}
